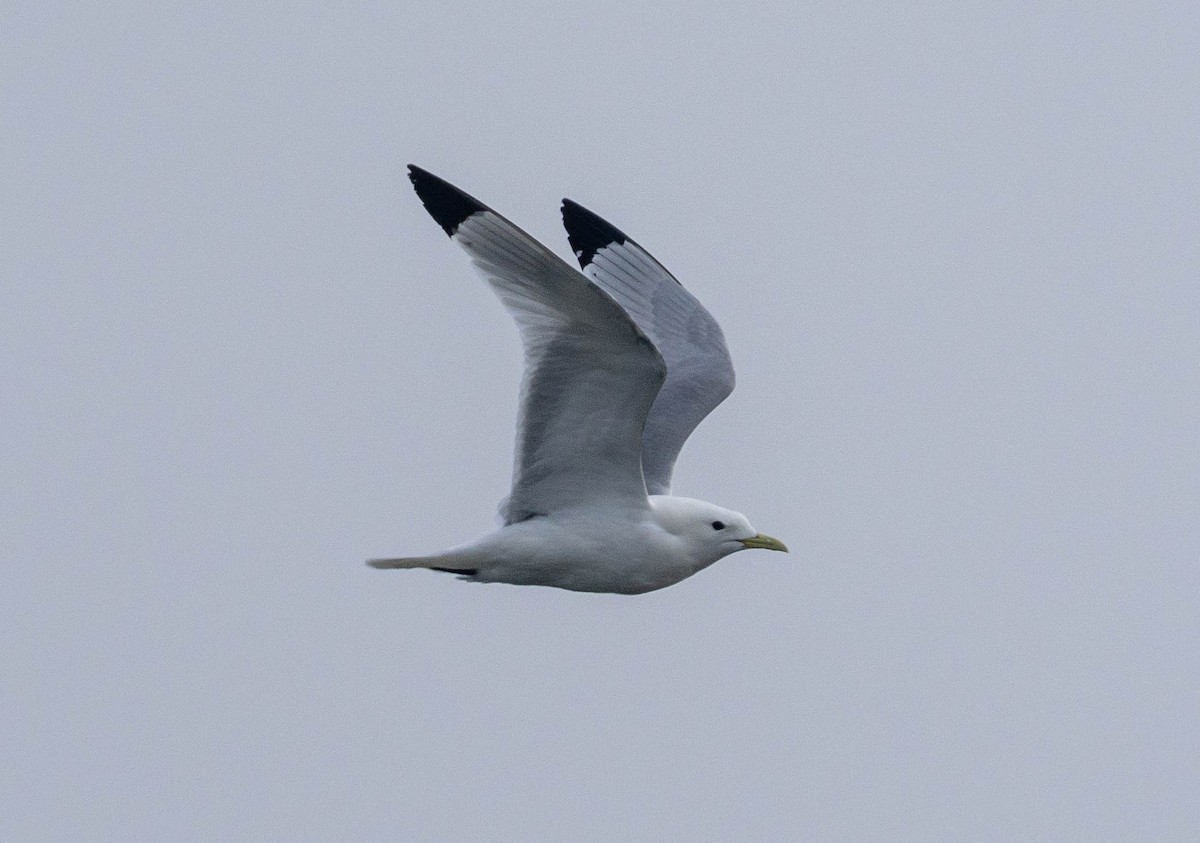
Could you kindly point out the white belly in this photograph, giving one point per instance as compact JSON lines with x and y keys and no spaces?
{"x":585,"y":555}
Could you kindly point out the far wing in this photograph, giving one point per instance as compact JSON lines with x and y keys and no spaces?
{"x":699,"y":371}
{"x":590,"y":373}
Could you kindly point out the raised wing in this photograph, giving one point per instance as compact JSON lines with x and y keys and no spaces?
{"x":590,"y":373}
{"x":699,"y":371}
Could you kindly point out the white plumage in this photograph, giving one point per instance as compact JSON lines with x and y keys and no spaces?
{"x":621,"y":364}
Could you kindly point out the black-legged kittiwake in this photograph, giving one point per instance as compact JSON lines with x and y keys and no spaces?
{"x":621,"y":364}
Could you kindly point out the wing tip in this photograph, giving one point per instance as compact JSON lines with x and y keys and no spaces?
{"x":448,"y":205}
{"x":587,"y":232}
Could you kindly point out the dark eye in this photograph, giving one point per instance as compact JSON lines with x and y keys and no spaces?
{"x":718,"y":525}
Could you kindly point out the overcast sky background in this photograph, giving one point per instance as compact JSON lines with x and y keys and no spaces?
{"x":954,"y":250}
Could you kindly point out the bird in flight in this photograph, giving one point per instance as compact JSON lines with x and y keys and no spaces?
{"x":621,"y":364}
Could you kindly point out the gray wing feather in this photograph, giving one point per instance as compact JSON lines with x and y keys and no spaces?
{"x":591,"y":374}
{"x":699,"y":371}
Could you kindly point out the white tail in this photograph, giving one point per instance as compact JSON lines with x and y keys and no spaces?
{"x":412,"y":562}
{"x":457,"y":560}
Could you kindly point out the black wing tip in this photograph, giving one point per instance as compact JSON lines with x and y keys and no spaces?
{"x":587,"y":232}
{"x":448,"y":205}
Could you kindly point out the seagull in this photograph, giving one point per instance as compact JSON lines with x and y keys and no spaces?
{"x":621,"y":364}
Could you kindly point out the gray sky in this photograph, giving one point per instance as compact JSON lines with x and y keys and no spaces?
{"x":954,"y":251}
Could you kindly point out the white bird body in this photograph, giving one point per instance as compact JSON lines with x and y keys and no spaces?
{"x":621,"y":364}
{"x":579,"y":549}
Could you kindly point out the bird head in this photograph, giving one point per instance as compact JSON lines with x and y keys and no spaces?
{"x":711,"y":531}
